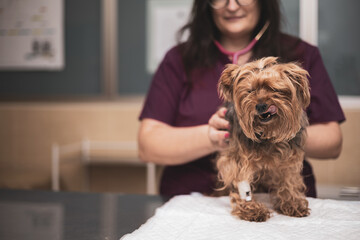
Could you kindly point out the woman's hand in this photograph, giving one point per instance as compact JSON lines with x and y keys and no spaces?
{"x":218,"y":129}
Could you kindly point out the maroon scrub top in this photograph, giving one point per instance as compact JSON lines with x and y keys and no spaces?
{"x":171,"y":100}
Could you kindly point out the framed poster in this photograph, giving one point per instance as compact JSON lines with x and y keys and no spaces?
{"x":164,"y":19}
{"x":31,"y":34}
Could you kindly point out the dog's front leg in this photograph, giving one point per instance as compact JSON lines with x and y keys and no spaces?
{"x":245,"y":207}
{"x":237,"y":179}
{"x":289,"y":197}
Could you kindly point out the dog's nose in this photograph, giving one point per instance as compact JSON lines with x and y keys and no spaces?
{"x":261,"y":107}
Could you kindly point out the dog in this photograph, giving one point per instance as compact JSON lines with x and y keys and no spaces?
{"x":266,"y":102}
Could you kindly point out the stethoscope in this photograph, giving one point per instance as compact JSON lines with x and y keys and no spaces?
{"x":237,"y":54}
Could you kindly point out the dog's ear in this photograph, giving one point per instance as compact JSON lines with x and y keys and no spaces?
{"x":226,"y":82}
{"x":299,"y":78}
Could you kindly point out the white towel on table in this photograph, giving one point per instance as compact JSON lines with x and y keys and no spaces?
{"x":194,"y":217}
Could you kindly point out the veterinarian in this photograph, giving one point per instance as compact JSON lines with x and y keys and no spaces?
{"x":182,"y":123}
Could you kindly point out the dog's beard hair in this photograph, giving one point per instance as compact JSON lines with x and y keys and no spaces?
{"x":286,"y":123}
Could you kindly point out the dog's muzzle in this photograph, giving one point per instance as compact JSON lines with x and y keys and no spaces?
{"x":266,"y":115}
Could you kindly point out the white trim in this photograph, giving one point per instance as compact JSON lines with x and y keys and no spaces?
{"x":151,"y":178}
{"x":55,"y":178}
{"x":127,"y":104}
{"x":109,"y":47}
{"x":350,"y":102}
{"x":309,"y":21}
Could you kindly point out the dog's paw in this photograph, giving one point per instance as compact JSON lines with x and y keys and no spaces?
{"x":251,"y":211}
{"x":297,"y":208}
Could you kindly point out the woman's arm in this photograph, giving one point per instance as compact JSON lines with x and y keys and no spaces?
{"x":324,"y":140}
{"x":163,"y":144}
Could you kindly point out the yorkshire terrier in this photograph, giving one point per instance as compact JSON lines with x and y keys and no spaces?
{"x":265,"y":101}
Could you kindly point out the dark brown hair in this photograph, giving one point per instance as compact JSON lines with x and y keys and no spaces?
{"x":199,"y":50}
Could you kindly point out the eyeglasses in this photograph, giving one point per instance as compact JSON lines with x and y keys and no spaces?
{"x":219,"y":4}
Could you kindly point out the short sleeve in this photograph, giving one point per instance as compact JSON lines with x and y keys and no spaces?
{"x":324,"y":106}
{"x":163,"y":97}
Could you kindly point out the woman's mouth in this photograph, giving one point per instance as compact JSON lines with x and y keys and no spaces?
{"x":233,"y":18}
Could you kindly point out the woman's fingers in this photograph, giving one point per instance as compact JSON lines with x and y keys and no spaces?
{"x":217,"y":129}
{"x":218,"y":121}
{"x":218,"y":138}
{"x":222,"y":111}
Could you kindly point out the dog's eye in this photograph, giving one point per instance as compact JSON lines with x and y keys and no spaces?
{"x":250,"y":91}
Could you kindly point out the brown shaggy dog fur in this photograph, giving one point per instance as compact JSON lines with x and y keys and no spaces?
{"x":266,"y":102}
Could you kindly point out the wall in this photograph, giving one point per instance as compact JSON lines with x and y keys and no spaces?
{"x":28,"y":130}
{"x":344,"y":171}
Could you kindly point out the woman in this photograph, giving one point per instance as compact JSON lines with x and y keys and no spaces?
{"x":182,"y":125}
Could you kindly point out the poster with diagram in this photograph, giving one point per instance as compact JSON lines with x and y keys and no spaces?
{"x":31,"y":35}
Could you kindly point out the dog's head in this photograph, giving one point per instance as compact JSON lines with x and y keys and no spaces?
{"x":269,"y":98}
